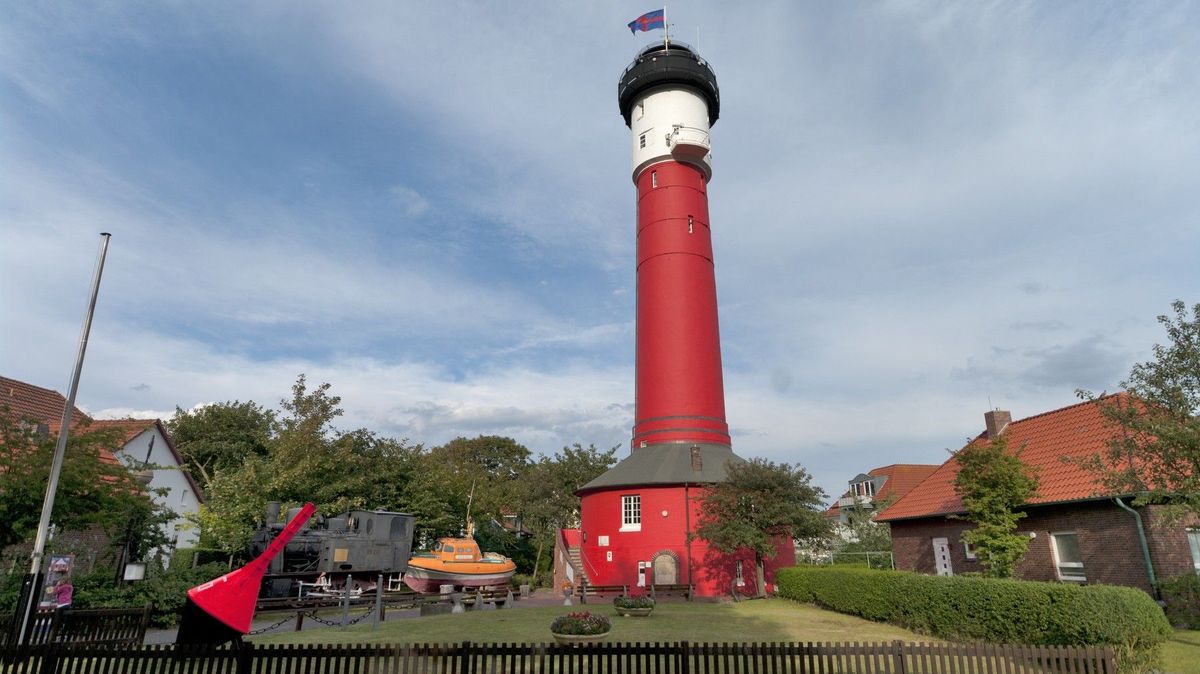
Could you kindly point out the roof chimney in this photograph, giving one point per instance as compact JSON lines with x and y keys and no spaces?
{"x":997,"y":421}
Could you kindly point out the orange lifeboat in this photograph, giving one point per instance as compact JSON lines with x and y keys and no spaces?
{"x":457,"y":562}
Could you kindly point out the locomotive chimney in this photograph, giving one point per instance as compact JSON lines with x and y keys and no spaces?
{"x":272,"y":513}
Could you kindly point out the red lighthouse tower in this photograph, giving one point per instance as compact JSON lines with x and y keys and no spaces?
{"x":637,"y":518}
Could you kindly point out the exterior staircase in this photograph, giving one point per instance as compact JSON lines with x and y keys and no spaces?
{"x":577,"y":565}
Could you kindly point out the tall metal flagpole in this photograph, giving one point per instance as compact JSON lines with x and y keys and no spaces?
{"x":666,"y":29}
{"x":43,"y":531}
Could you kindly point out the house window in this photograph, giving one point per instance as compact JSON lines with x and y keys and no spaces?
{"x":741,"y":580}
{"x":631,"y":512}
{"x":968,"y":550}
{"x":1194,"y":541}
{"x":864,"y":489}
{"x":642,"y":142}
{"x":1067,"y":559}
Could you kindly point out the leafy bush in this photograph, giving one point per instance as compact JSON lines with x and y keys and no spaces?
{"x":167,"y":590}
{"x":633,"y":602}
{"x":580,"y":623}
{"x":986,"y":609}
{"x":1182,"y":596}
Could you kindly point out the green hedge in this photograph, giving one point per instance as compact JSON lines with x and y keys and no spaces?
{"x":1182,"y":597}
{"x":986,"y":609}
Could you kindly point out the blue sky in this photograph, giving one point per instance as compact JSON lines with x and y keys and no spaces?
{"x":919,"y":209}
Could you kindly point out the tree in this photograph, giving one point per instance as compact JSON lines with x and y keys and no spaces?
{"x":759,"y":503}
{"x":220,"y":436}
{"x":862,"y":534}
{"x":307,"y":459}
{"x":993,"y":482}
{"x":1156,"y":453}
{"x":91,"y":491}
{"x":493,"y":466}
{"x":548,"y":500}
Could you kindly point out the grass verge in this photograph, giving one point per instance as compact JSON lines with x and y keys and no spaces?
{"x":1181,"y":655}
{"x":769,"y":620}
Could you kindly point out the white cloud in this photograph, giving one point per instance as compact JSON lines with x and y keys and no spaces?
{"x":915,"y":207}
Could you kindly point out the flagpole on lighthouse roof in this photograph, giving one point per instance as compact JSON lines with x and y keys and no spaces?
{"x":666,"y":29}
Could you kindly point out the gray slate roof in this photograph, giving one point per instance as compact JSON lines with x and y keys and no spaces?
{"x":667,"y":464}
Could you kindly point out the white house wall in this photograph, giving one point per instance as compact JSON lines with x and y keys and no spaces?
{"x":179,"y":497}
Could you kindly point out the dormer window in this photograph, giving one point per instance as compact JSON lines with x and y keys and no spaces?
{"x":865,"y":489}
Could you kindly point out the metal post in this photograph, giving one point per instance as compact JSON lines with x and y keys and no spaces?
{"x":378,"y":603}
{"x":346,"y":601}
{"x":43,"y":530}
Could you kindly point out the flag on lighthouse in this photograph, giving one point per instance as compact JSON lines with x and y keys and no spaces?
{"x":649,"y":21}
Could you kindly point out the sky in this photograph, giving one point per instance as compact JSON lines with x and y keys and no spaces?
{"x":920,"y":211}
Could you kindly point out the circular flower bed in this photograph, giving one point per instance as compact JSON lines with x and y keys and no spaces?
{"x":633,"y":606}
{"x":580,"y":627}
{"x":633,"y":602}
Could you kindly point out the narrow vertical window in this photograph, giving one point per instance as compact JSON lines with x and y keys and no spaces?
{"x":642,"y":141}
{"x":631,"y":512}
{"x":689,"y":224}
{"x":653,"y":179}
{"x":741,"y":580}
{"x":1194,"y":543}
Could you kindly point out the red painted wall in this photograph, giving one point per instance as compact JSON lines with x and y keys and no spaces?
{"x":679,"y":394}
{"x":712,"y":574}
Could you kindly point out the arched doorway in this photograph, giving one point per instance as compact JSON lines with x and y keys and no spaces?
{"x":666,"y":569}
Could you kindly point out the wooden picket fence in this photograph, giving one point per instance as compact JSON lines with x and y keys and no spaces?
{"x":606,"y":658}
{"x":101,"y":626}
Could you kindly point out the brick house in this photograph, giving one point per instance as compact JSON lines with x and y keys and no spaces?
{"x":1077,"y":534}
{"x":140,"y":441}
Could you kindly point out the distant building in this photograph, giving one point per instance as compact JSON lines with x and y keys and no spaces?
{"x":142,"y":441}
{"x":878,"y":487}
{"x":1078,"y":533}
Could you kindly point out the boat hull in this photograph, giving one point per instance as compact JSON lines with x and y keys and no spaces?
{"x":431,"y":580}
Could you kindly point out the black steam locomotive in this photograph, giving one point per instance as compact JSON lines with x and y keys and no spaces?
{"x":355,"y":547}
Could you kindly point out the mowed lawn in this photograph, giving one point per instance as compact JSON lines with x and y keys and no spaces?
{"x":762,"y":620}
{"x":1181,"y":655}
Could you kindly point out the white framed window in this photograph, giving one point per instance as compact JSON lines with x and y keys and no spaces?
{"x":653,"y":179}
{"x":1194,"y":543}
{"x":865,"y":489}
{"x":642,"y":141}
{"x":741,"y":580}
{"x":969,"y":551}
{"x":1068,"y":561}
{"x":631,"y":512}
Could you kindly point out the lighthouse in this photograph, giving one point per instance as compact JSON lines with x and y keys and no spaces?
{"x":638,"y":519}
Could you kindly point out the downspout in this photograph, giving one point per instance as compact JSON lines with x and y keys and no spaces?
{"x":687,"y":526}
{"x":1145,"y":548}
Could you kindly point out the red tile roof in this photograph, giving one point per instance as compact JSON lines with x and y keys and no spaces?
{"x":901,"y":478}
{"x":45,"y":406}
{"x":26,"y":401}
{"x":1051,"y":442}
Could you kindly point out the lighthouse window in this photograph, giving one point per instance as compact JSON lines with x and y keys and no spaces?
{"x":631,"y":512}
{"x":653,"y":179}
{"x":642,"y":141}
{"x":689,"y":224}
